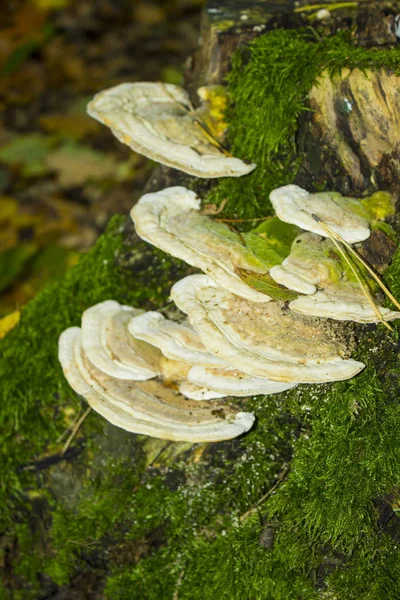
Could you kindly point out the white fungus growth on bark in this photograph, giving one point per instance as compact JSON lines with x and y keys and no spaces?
{"x":157,"y":120}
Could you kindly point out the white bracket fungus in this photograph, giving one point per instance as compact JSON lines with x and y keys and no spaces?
{"x":343,"y":301}
{"x":311,"y":264}
{"x":316,"y":268}
{"x":260,"y":339}
{"x":109,"y":346}
{"x":177,"y":341}
{"x":170,"y":220}
{"x":146,"y":407}
{"x":345,"y":216}
{"x":158,"y":121}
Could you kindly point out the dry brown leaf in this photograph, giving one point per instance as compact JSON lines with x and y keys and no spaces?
{"x":76,"y":164}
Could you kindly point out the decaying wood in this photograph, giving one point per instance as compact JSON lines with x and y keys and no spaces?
{"x":357,"y":119}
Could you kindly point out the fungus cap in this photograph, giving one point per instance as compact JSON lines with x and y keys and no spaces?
{"x":237,"y":331}
{"x":177,"y":341}
{"x":313,"y":262}
{"x":232,"y":382}
{"x":345,"y":216}
{"x":156,"y":119}
{"x":343,"y":301}
{"x":111,"y":348}
{"x":146,"y":407}
{"x":198,"y":393}
{"x":170,"y":220}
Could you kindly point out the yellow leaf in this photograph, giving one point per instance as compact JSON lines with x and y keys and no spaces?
{"x":51,"y":4}
{"x":9,"y":322}
{"x":75,"y":126}
{"x":8,"y":208}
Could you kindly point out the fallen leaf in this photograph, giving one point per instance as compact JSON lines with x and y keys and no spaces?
{"x":8,"y":208}
{"x":46,"y":5}
{"x":29,"y":152}
{"x":76,"y":164}
{"x":266,"y":285}
{"x":146,"y":13}
{"x":75,"y":126}
{"x":9,"y":322}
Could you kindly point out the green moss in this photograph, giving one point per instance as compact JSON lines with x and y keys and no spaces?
{"x":268,"y":86}
{"x":173,"y":527}
{"x":34,"y":398}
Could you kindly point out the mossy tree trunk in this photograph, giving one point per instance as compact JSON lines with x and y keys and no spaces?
{"x":305,"y":505}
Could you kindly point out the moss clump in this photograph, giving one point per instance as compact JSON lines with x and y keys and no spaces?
{"x":35,"y":398}
{"x":268,"y":85}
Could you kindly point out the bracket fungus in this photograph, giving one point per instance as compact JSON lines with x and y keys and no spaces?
{"x":146,"y":407}
{"x":177,"y":341}
{"x":345,"y":216}
{"x":342,"y":301}
{"x":232,"y":382}
{"x":158,"y":121}
{"x":262,"y":340}
{"x":312,"y":263}
{"x":108,"y":345}
{"x":171,"y":220}
{"x":316,"y":268}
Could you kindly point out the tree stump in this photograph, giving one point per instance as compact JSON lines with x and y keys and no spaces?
{"x":305,"y":505}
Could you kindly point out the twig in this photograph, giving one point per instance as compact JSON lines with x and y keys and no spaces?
{"x":75,"y":431}
{"x":67,"y":430}
{"x":211,"y":209}
{"x":243,"y":220}
{"x":251,"y":510}
{"x":330,"y":7}
{"x":178,"y":585}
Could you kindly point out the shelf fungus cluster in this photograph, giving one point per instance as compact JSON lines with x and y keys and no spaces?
{"x":165,"y":378}
{"x":322,"y":266}
{"x":134,"y":386}
{"x":258,"y":320}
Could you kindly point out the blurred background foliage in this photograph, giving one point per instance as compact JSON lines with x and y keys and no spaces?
{"x":62,"y":175}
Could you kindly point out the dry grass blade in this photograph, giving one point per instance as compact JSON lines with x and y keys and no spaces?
{"x":365,"y":290}
{"x":370,"y":271}
{"x":243,"y":220}
{"x":334,"y":6}
{"x":75,"y":431}
{"x":251,"y":510}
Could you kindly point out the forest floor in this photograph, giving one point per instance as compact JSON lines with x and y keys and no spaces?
{"x":63,"y":175}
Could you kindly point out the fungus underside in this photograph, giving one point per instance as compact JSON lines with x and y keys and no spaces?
{"x":150,"y":526}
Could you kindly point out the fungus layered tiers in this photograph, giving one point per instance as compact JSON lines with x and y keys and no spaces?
{"x":148,"y":407}
{"x":261,"y":340}
{"x":250,"y":325}
{"x":143,"y":371}
{"x":235,"y":340}
{"x":170,"y":219}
